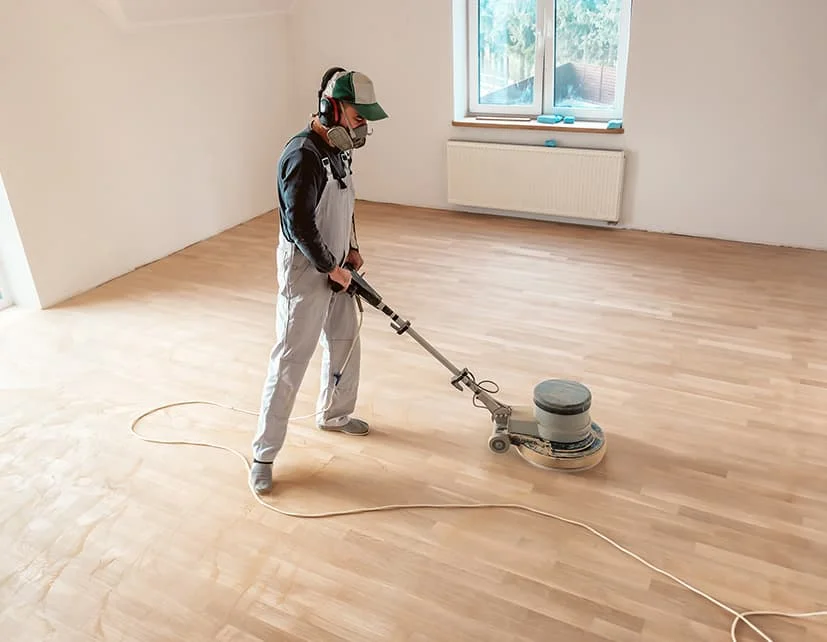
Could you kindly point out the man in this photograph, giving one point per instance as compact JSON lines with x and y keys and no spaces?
{"x":316,"y":238}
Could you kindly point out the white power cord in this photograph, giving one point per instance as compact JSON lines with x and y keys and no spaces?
{"x":390,"y":507}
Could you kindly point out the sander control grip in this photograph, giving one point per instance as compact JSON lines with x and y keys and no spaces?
{"x":337,"y":287}
{"x":358,"y":286}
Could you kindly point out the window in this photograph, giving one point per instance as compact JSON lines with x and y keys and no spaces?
{"x":532,"y":57}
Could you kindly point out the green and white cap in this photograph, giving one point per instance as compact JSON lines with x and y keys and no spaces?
{"x":357,"y":89}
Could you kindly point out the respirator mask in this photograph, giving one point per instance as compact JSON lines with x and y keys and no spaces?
{"x":343,"y":137}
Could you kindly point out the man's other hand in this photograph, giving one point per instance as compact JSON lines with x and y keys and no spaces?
{"x":355,"y":259}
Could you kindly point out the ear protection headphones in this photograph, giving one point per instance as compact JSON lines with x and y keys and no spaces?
{"x":328,"y":107}
{"x":330,"y":111}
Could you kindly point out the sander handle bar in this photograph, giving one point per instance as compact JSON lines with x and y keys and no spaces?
{"x":359,"y":287}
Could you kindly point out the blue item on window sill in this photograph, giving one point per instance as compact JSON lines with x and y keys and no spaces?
{"x":550,"y":143}
{"x":568,"y":120}
{"x":549,"y":119}
{"x":614,"y":124}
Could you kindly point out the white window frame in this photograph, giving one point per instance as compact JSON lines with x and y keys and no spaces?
{"x":544,"y":73}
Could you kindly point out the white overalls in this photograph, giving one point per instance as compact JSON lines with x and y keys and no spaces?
{"x":308,"y":313}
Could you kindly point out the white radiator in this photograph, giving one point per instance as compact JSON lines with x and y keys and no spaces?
{"x":534,"y":179}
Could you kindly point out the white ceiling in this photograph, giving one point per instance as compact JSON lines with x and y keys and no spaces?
{"x":136,"y":13}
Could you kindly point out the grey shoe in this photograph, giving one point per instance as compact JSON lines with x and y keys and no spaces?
{"x":261,"y":477}
{"x":352,"y":427}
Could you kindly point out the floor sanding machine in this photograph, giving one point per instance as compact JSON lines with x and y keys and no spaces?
{"x":556,"y":432}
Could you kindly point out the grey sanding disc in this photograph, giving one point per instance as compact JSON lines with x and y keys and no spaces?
{"x":562,"y":397}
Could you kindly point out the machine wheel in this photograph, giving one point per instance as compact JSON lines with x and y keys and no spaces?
{"x":499,"y":444}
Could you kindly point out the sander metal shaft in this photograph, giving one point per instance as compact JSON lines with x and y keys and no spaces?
{"x":361,"y":288}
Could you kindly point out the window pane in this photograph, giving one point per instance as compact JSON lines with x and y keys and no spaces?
{"x":586,"y":46}
{"x":507,"y":51}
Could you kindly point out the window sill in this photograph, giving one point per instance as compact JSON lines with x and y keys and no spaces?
{"x":587,"y":127}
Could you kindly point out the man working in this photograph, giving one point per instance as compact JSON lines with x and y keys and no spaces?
{"x":316,"y":237}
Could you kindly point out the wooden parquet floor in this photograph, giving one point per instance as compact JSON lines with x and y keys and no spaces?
{"x":708,"y":365}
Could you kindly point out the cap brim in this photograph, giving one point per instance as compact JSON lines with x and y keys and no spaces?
{"x":371,"y":112}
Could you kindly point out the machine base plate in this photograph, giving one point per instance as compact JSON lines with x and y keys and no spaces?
{"x":572,"y":457}
{"x":543,"y":454}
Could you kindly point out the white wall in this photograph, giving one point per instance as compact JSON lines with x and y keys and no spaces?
{"x":119,"y":147}
{"x":729,"y":143}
